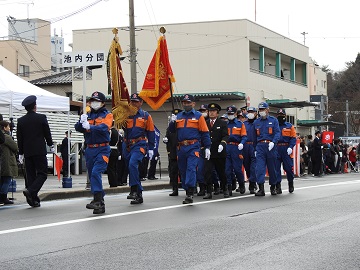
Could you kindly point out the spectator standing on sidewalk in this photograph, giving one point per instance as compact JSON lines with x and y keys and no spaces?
{"x":9,"y":167}
{"x":65,"y":154}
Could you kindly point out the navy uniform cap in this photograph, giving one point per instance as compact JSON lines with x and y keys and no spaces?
{"x":28,"y":100}
{"x":203,"y":107}
{"x":231,"y":109}
{"x":176,"y":111}
{"x":251,"y":109}
{"x":281,"y":111}
{"x":135,"y":97}
{"x":213,"y":107}
{"x":243,"y":108}
{"x":97,"y":96}
{"x":263,"y":105}
{"x":188,"y":98}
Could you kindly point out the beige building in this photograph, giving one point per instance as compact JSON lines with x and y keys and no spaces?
{"x":26,"y":51}
{"x":232,"y":62}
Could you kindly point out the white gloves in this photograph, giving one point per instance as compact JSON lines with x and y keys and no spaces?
{"x":173,"y":117}
{"x":52,"y":149}
{"x":21,"y":159}
{"x":240,"y":146}
{"x":165,"y":140}
{"x":86,"y":125}
{"x":271,"y":145}
{"x":150,"y":154}
{"x":220,"y":148}
{"x":119,"y":157}
{"x":289,"y":151}
{"x":207,"y":153}
{"x":83,"y":118}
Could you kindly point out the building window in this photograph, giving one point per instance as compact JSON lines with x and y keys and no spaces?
{"x":324,"y":84}
{"x":290,"y":119}
{"x":24,"y":71}
{"x":1,"y":63}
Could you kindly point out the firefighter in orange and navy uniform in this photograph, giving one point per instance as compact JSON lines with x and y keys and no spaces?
{"x":139,"y":140}
{"x":192,"y":133}
{"x":235,"y":144}
{"x":267,"y":136}
{"x":96,"y":125}
{"x":285,"y":147}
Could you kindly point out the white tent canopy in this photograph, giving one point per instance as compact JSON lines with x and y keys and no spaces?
{"x":13,"y":90}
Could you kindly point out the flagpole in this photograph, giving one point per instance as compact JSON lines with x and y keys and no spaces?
{"x":162,"y":31}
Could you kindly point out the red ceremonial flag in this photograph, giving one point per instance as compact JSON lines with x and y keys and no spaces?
{"x":158,"y":79}
{"x":58,"y":165}
{"x":327,"y":136}
{"x":116,"y":84}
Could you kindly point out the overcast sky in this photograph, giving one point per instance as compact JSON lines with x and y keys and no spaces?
{"x":333,"y":26}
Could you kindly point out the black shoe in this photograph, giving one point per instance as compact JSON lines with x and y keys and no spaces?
{"x":230,"y":190}
{"x":91,"y":205}
{"x":29,"y":198}
{"x":138,"y":200}
{"x":189,"y":199}
{"x":291,"y":187}
{"x":226,"y":193}
{"x":143,"y":179}
{"x":242,"y":188}
{"x":201,"y":193}
{"x":217,"y":191}
{"x":273,"y":189}
{"x":153,"y":178}
{"x":261,"y":191}
{"x":133,"y":193}
{"x":7,"y":201}
{"x":174,"y":193}
{"x":207,"y":196}
{"x":252,"y":187}
{"x":278,"y":188}
{"x":36,"y":204}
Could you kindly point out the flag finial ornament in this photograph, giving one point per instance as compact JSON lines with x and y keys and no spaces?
{"x":162,"y":30}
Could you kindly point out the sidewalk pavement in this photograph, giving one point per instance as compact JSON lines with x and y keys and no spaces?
{"x":53,"y":190}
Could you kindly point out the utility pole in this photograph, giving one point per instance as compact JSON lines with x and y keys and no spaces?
{"x":304,"y":33}
{"x":255,"y":10}
{"x":132,"y":48}
{"x":347,"y":118}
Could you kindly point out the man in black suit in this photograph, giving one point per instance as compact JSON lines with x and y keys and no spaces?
{"x":32,"y":132}
{"x":65,"y":154}
{"x":316,"y":156}
{"x":219,"y":136}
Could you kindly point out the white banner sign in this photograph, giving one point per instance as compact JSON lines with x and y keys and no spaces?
{"x":88,"y":58}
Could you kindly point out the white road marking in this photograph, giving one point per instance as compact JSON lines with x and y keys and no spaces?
{"x":48,"y":225}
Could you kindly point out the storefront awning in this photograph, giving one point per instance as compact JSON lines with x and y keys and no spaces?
{"x":288,"y":103}
{"x":315,"y":123}
{"x":214,"y":96}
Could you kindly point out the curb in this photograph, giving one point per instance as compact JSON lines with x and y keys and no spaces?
{"x":70,"y":194}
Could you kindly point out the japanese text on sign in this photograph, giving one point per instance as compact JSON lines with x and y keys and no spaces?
{"x":88,"y":58}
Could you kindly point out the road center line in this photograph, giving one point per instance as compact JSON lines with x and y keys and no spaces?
{"x":48,"y":225}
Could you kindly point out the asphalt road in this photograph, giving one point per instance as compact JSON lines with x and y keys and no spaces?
{"x":316,"y":227}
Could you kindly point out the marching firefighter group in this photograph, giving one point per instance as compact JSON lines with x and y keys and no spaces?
{"x":203,"y":149}
{"x":208,"y":151}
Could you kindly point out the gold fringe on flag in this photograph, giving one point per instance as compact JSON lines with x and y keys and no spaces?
{"x":121,"y":108}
